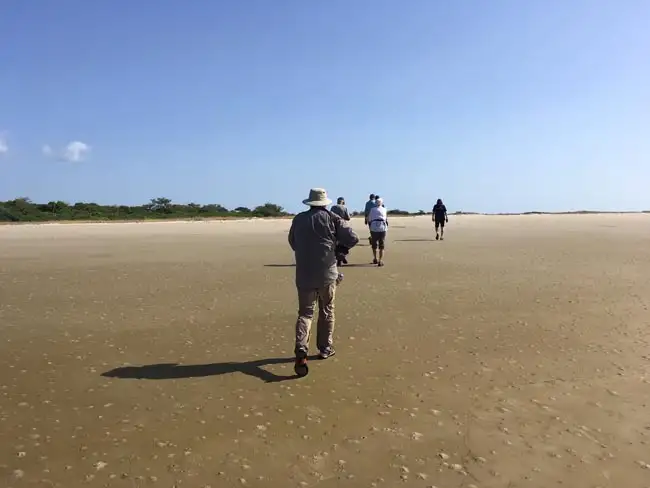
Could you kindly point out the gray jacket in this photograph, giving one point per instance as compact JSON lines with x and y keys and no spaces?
{"x":313,"y":237}
{"x":341,"y":211}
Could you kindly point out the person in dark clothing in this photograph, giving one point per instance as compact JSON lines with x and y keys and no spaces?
{"x":439,"y":217}
{"x":341,"y":210}
{"x":341,"y":254}
{"x":313,"y":237}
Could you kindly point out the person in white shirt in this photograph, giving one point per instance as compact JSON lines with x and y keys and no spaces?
{"x":378,"y":222}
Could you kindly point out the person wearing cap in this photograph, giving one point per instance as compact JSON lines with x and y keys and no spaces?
{"x":369,"y":204}
{"x":313,"y":237}
{"x":341,"y":210}
{"x":378,"y":221}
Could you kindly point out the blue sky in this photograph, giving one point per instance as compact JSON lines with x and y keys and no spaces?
{"x":501,"y":105}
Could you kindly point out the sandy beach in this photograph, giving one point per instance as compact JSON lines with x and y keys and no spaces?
{"x":513,"y":354}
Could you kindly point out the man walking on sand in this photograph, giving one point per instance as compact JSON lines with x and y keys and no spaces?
{"x":313,"y":236}
{"x":439,"y":217}
{"x":341,"y":210}
{"x":369,"y":204}
{"x":378,"y":219}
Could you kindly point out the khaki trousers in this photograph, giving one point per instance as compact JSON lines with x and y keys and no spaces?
{"x":307,"y":299}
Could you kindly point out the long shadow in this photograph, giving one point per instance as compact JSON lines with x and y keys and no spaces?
{"x":414,"y":240}
{"x":168,"y":371}
{"x":352,"y":265}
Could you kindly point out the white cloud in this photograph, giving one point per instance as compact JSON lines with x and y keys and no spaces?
{"x":4,"y":145}
{"x":74,"y":152}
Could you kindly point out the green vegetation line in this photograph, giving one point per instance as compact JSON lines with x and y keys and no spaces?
{"x":24,"y":210}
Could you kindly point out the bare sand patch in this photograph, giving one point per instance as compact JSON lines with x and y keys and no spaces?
{"x":514,"y":353}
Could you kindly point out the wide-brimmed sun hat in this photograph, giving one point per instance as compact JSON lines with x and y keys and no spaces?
{"x":317,"y":198}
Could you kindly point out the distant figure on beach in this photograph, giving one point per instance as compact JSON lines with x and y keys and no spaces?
{"x":313,"y":236}
{"x":341,"y":210}
{"x":439,"y":217}
{"x":369,"y":204}
{"x":378,"y":220}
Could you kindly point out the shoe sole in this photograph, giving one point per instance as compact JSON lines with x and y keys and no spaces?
{"x":323,"y":357}
{"x":301,"y":370}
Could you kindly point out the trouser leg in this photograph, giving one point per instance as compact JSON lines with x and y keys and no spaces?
{"x":306,"y":306}
{"x":325,"y":326}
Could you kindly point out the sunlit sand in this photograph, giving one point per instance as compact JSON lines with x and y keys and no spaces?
{"x":513,"y":354}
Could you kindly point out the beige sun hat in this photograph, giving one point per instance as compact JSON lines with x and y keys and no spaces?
{"x":317,"y":198}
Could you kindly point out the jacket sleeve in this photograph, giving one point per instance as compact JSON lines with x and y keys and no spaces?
{"x":292,"y":234}
{"x":344,"y":233}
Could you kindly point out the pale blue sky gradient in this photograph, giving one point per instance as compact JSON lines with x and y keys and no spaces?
{"x":501,"y":105}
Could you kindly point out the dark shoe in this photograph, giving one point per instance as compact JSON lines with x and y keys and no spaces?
{"x":380,"y":264}
{"x":374,"y":261}
{"x":437,"y":237}
{"x":339,"y":262}
{"x":326,"y":353}
{"x":344,"y":261}
{"x":301,"y":367}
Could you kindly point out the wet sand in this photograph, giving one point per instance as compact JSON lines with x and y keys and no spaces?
{"x":513,"y":354}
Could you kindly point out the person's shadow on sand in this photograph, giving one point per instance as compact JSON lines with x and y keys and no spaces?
{"x":168,"y":371}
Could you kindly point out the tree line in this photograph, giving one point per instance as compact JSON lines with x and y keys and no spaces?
{"x":25,"y":210}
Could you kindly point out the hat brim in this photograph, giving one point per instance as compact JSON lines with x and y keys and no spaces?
{"x":318,"y":203}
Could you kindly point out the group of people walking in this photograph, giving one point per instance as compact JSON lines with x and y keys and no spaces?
{"x":321,"y":239}
{"x":376,"y":219}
